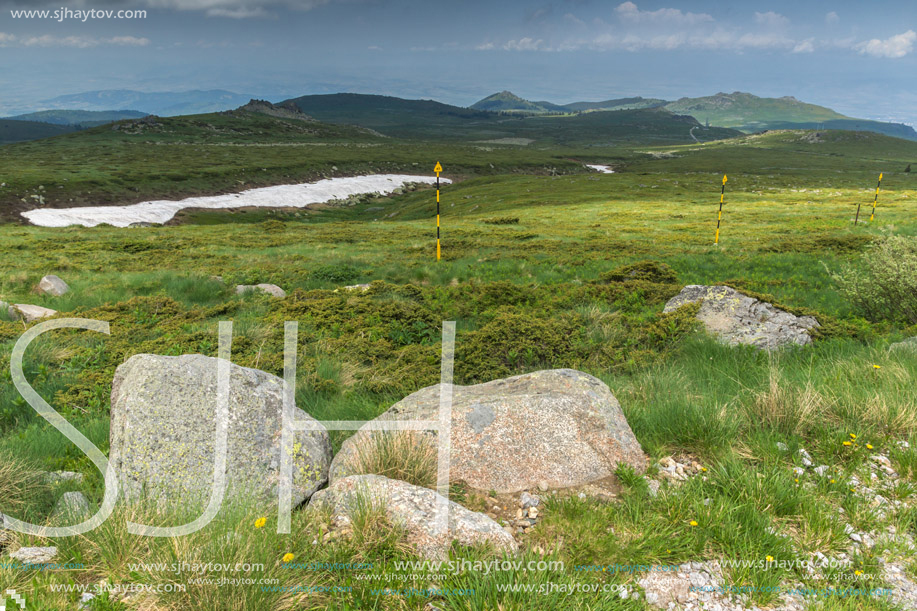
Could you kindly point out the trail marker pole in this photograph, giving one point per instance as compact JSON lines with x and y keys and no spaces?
{"x":719,"y":216}
{"x":437,"y":169}
{"x":876,"y":200}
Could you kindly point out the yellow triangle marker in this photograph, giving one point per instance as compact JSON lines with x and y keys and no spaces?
{"x":438,"y":168}
{"x":724,"y":179}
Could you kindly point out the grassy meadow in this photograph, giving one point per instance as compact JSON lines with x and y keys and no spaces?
{"x":536,"y":252}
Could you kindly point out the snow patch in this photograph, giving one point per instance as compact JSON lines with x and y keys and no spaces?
{"x":604,"y":169}
{"x":280,"y":196}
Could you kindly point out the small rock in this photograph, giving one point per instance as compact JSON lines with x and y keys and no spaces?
{"x":34,"y":555}
{"x":29,"y":313}
{"x":527,"y":500}
{"x":821,"y":470}
{"x":653,"y":487}
{"x":805,"y":458}
{"x":54,"y":477}
{"x":357,"y":287}
{"x":270,"y":289}
{"x":782,"y":447}
{"x":52,"y":285}
{"x":71,"y":505}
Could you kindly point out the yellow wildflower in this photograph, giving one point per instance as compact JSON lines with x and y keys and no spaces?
{"x":693,"y":522}
{"x":769,"y":558}
{"x":288,"y":557}
{"x":868,"y":446}
{"x":260,"y":522}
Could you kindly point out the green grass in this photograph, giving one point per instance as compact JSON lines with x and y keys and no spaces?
{"x":538,"y":271}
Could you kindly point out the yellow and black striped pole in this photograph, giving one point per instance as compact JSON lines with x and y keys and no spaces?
{"x":719,"y":216}
{"x":876,"y":200}
{"x":437,"y":169}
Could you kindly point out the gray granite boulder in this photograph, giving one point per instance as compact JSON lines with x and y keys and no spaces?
{"x":52,"y":285}
{"x":735,"y":318}
{"x":29,"y":313}
{"x":163,"y":431}
{"x":549,"y":429}
{"x":414,"y":509}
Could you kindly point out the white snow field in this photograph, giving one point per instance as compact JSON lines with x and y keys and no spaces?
{"x":604,"y":169}
{"x":280,"y":196}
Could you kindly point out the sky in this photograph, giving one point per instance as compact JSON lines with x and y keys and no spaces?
{"x":858,"y":58}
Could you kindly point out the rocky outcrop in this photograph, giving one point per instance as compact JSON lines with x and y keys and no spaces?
{"x":163,"y":432}
{"x":414,"y":509}
{"x":735,"y":318}
{"x":549,"y":429}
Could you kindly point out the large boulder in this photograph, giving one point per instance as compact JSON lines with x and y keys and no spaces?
{"x":414,"y":509}
{"x":549,"y":429}
{"x":163,"y":431}
{"x":739,"y":319}
{"x":29,"y":313}
{"x":52,"y":285}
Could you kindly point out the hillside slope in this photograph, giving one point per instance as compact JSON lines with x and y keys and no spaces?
{"x":81,"y":118}
{"x":12,"y":130}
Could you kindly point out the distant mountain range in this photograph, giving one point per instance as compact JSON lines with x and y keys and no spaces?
{"x":80,"y":118}
{"x":161,"y":103}
{"x":738,"y":110}
{"x":499,"y":116}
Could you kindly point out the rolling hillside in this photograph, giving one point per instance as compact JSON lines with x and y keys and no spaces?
{"x":20,"y":131}
{"x":750,"y":113}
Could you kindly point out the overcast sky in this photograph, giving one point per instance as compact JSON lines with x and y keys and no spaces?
{"x":859,"y":58}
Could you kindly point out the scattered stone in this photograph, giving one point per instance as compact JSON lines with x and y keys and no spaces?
{"x":163,"y":431}
{"x":357,"y":287}
{"x":55,"y":477}
{"x":527,"y":500}
{"x":653,"y":487}
{"x":52,"y":285}
{"x":821,"y":470}
{"x":551,"y":429}
{"x":415,"y":509}
{"x":72,"y":505}
{"x":782,"y":447}
{"x":29,"y":313}
{"x":738,"y":319}
{"x":34,"y":555}
{"x":270,"y":289}
{"x":805,"y":458}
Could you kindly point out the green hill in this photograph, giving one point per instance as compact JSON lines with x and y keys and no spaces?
{"x":506,"y":101}
{"x":395,"y":116}
{"x":19,"y":131}
{"x":749,"y":112}
{"x":81,"y":118}
{"x":617,"y":104}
